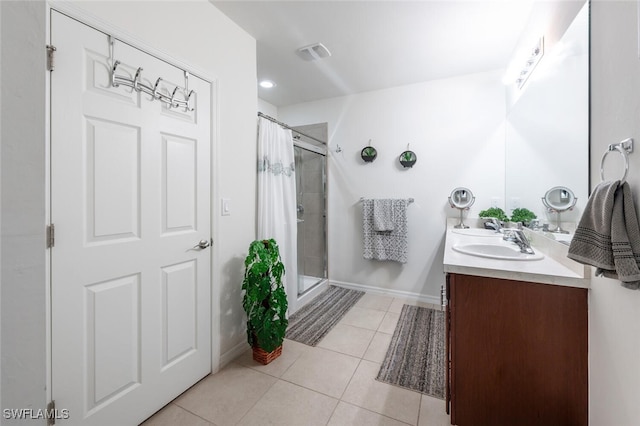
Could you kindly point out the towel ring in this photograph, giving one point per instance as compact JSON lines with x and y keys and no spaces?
{"x":623,"y":151}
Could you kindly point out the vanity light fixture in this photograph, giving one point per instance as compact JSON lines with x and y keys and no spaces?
{"x":537,"y":52}
{"x":267,"y":84}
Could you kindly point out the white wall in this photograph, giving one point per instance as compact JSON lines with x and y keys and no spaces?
{"x":0,"y":207}
{"x":209,"y":42}
{"x":267,"y":108}
{"x":456,"y":128}
{"x":614,"y":312}
{"x":23,"y":262}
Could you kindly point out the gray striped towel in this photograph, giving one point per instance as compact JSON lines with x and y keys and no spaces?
{"x":608,"y":234}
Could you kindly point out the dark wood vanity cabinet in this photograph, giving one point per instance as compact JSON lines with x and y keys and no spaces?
{"x":517,"y":353}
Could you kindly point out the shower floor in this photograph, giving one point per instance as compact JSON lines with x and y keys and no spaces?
{"x":306,"y":282}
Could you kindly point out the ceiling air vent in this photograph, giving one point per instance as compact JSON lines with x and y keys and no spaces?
{"x":313,"y":52}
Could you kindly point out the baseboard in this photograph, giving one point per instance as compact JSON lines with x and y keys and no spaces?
{"x":233,"y":353}
{"x":389,"y":292}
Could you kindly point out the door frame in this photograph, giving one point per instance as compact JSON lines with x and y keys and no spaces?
{"x":122,"y":36}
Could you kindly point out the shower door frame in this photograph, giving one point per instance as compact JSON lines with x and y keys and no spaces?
{"x":324,"y":152}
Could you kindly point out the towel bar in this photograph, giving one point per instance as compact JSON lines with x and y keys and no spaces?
{"x":624,"y":148}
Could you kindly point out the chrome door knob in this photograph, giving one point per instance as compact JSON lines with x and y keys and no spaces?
{"x":203,"y":244}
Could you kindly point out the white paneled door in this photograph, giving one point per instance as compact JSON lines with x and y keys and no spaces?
{"x":130,"y":201}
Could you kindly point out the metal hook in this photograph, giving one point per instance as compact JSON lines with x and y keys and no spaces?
{"x":186,"y":106}
{"x":172,"y":103}
{"x":155,"y":88}
{"x":186,"y":82}
{"x":111,"y":47}
{"x":113,"y":74}
{"x":136,"y":80}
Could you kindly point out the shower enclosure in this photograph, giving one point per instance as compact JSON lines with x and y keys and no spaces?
{"x":310,"y":166}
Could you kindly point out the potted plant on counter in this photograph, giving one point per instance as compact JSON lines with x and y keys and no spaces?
{"x":522,"y":215}
{"x":494,"y":212}
{"x":265,"y":300}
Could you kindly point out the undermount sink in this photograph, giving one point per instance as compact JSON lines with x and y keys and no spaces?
{"x":476,"y":232}
{"x":496,"y":251}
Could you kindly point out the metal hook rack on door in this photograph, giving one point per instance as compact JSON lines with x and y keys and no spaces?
{"x":138,"y":86}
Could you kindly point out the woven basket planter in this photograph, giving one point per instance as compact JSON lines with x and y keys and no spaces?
{"x":263,"y":357}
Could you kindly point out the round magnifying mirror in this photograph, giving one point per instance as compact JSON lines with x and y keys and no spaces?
{"x":461,"y":198}
{"x":559,"y":199}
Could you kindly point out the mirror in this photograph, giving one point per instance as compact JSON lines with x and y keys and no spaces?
{"x":547,"y":127}
{"x":557,"y":200}
{"x":461,"y":199}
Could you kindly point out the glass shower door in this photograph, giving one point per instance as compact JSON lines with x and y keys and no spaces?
{"x":310,"y":164}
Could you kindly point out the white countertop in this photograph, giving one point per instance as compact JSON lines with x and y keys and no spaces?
{"x":555,"y":268}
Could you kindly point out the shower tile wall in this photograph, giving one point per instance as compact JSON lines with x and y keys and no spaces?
{"x":313,"y":238}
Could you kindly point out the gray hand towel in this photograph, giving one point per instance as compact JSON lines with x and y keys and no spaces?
{"x":383,"y":215}
{"x":591,"y":243}
{"x":608,"y":235}
{"x":625,"y":239}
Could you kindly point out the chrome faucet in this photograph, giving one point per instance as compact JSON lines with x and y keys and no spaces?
{"x":493,"y":223}
{"x":522,"y":241}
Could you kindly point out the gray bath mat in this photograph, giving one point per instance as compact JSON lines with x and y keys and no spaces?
{"x":314,"y":320}
{"x":416,"y":356}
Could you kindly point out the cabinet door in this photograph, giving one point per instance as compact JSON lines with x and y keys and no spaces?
{"x":518,"y":353}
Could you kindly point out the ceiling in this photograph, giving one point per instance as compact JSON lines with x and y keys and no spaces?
{"x":375,"y":44}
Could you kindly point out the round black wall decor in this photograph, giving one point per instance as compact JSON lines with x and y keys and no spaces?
{"x":408,"y":159}
{"x":368,"y":154}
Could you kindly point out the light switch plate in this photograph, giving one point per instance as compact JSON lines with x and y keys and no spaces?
{"x":225,"y":207}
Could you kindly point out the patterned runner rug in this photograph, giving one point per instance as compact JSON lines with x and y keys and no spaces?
{"x":416,"y":355}
{"x":315,"y":319}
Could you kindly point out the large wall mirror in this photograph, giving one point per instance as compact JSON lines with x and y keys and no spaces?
{"x":547,"y":127}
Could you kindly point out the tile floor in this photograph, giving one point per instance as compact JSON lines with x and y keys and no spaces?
{"x":330,"y":384}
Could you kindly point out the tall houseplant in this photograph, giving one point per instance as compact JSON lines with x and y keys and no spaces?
{"x":265,"y":300}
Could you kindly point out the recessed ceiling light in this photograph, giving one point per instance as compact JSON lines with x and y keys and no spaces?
{"x":267,"y":84}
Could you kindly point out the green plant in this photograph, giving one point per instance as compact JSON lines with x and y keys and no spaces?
{"x":496,"y":212}
{"x":407,"y":156}
{"x":369,"y":151}
{"x":265,"y":299}
{"x":522,"y":215}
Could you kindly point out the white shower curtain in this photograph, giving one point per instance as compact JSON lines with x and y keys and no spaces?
{"x":277,"y":217}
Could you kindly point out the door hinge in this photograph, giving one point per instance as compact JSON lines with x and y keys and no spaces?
{"x":51,"y":413}
{"x":51,"y":235}
{"x":51,"y":59}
